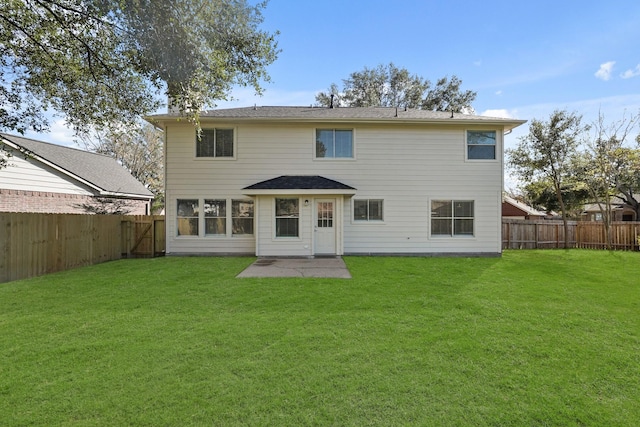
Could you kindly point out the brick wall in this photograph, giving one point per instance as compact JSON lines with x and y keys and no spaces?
{"x":509,"y":210}
{"x":45,"y":202}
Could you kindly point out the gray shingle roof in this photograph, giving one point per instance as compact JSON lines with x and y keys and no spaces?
{"x":373,"y":114}
{"x":299,"y":182}
{"x":102,"y":171}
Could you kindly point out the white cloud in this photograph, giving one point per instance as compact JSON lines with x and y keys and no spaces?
{"x":477,"y":63}
{"x":58,"y":133}
{"x":633,"y":72}
{"x":502,"y":113}
{"x":61,"y":134}
{"x":499,"y":92}
{"x":604,"y":73}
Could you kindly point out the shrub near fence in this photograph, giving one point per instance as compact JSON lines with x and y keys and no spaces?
{"x":32,"y":244}
{"x":525,"y":234}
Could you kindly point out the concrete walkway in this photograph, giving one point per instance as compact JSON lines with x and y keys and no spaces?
{"x":298,"y":267}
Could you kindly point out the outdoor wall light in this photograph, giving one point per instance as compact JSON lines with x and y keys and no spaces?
{"x":306,"y":202}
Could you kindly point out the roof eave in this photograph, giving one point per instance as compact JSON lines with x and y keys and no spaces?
{"x":298,"y":191}
{"x":508,"y":124}
{"x":126,"y":195}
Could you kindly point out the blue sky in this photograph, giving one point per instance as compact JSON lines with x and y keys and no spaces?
{"x":524,"y":59}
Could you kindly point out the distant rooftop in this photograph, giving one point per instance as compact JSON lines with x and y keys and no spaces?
{"x":102,"y":171}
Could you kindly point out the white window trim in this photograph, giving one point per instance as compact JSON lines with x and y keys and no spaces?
{"x":497,"y":151}
{"x":334,"y":159}
{"x":276,"y":238}
{"x":217,"y":159}
{"x":453,"y":236}
{"x":368,"y":221}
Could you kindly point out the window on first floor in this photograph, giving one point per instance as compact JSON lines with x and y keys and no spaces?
{"x":287,"y":217}
{"x":241,"y":217}
{"x":217,"y":143}
{"x":452,"y":217}
{"x":481,"y":144}
{"x":367,"y":210}
{"x":215,"y":216}
{"x":334,"y":143}
{"x":188,"y":217}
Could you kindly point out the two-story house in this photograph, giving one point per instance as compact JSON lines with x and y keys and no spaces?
{"x":308,"y":181}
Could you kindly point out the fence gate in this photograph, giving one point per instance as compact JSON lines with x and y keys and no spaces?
{"x":143,"y":236}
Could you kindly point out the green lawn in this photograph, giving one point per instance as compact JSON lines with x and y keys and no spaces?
{"x":535,"y":338}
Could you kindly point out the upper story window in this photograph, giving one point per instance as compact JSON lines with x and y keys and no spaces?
{"x":215,"y":143}
{"x":334,"y":143}
{"x":481,"y":144}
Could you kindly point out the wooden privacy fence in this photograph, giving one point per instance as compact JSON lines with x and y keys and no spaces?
{"x":525,"y":234}
{"x":32,"y":244}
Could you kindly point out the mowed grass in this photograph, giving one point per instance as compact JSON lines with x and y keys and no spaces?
{"x":535,"y":338}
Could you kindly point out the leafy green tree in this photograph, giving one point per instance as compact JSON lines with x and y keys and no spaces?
{"x":390,"y":86}
{"x":541,"y":195}
{"x":610,"y":169}
{"x":106,"y":61}
{"x":548,"y":153}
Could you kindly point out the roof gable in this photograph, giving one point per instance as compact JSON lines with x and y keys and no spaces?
{"x":526,"y":209}
{"x":99,"y":171}
{"x":293,"y":184}
{"x":299,"y":182}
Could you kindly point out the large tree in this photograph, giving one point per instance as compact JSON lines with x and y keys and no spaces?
{"x":542,"y":196}
{"x":99,"y":62}
{"x":390,"y":86}
{"x":610,"y":168}
{"x":548,"y":153}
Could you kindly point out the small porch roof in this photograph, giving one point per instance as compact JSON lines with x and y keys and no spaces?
{"x":299,"y":184}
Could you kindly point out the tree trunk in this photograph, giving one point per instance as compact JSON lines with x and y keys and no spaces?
{"x":565,"y":221}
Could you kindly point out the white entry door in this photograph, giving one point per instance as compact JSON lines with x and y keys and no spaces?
{"x":325,"y":227}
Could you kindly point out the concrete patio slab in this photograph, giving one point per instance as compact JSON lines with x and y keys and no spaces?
{"x":298,"y":267}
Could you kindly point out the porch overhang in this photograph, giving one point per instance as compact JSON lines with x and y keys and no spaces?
{"x":299,"y":184}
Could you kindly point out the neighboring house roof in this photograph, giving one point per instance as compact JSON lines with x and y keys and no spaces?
{"x":616,"y":204}
{"x":359,"y":114}
{"x":300,"y":182}
{"x":528,"y":210}
{"x":101,"y":172}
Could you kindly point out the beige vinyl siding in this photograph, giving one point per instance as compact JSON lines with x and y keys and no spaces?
{"x":31,"y":175}
{"x":405,"y":165}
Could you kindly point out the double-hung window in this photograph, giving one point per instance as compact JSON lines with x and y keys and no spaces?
{"x":367,"y":210}
{"x":287,"y":217}
{"x":334,"y":143}
{"x":241,"y":217}
{"x":217,"y":143}
{"x":187,"y":216}
{"x":481,"y":144}
{"x":215,"y":217}
{"x":452,"y":217}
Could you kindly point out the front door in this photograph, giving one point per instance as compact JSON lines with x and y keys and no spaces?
{"x":325,"y":227}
